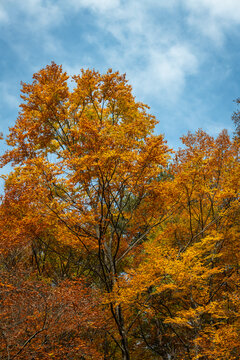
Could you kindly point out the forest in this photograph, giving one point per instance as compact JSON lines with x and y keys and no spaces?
{"x":114,"y":246}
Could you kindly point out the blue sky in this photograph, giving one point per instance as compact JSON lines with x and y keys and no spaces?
{"x":181,"y":57}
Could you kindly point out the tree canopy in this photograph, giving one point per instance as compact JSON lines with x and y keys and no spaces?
{"x":112,"y":245}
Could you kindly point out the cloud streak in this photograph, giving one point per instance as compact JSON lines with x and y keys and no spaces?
{"x":213,"y":18}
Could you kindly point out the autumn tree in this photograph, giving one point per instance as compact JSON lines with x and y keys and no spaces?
{"x":87,"y":172}
{"x":46,"y":322}
{"x":109,"y":250}
{"x":185,"y":290}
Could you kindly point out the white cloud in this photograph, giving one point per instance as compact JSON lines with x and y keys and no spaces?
{"x":168,"y":60}
{"x":160,"y":44}
{"x":221,"y":9}
{"x":94,"y":5}
{"x":31,"y":22}
{"x":3,"y":15}
{"x":32,"y":13}
{"x":154,"y":58}
{"x":213,"y":17}
{"x":41,"y":14}
{"x":169,"y":69}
